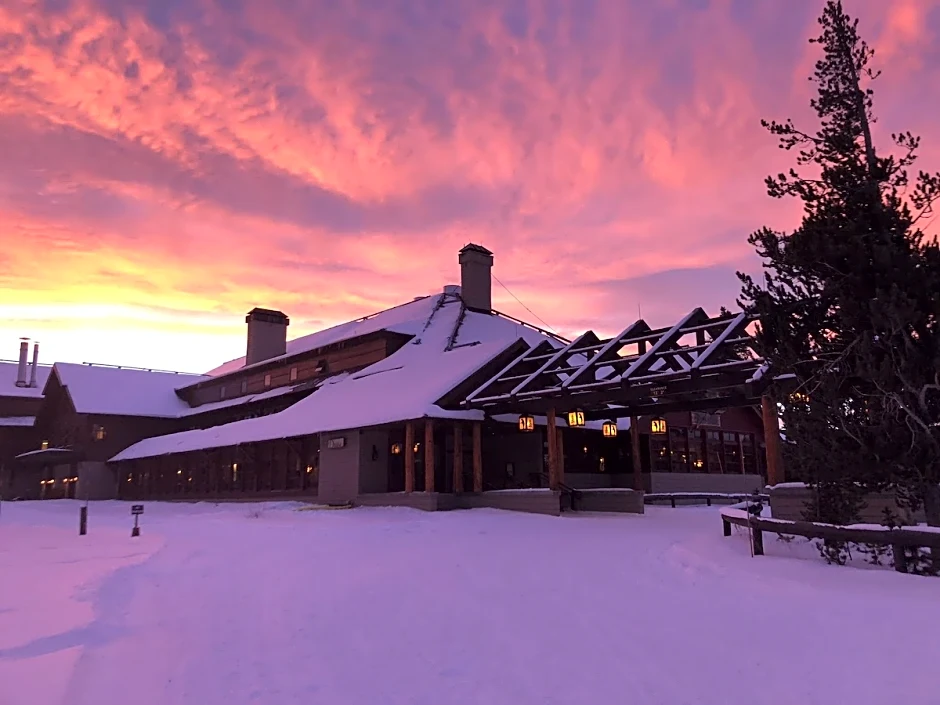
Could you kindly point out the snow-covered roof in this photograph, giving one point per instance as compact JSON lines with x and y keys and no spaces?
{"x":8,"y":386}
{"x":123,"y":391}
{"x":450,"y":343}
{"x":408,"y":319}
{"x":17,"y":421}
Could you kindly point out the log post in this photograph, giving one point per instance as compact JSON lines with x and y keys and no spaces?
{"x":560,"y":460}
{"x":409,"y":456}
{"x":757,"y":540}
{"x":635,"y":452}
{"x":772,"y":439}
{"x":428,"y":455}
{"x":477,"y":457}
{"x":551,"y":431}
{"x":458,"y":458}
{"x":900,"y":558}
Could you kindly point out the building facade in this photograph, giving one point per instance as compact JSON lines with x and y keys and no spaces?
{"x":363,"y":411}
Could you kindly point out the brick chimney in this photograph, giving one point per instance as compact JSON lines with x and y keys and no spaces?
{"x":267,"y":334}
{"x":476,"y":281}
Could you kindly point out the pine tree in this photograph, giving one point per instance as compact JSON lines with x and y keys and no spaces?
{"x":850,"y":299}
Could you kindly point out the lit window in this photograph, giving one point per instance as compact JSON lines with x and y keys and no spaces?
{"x":293,"y":374}
{"x":45,"y":445}
{"x":267,"y":380}
{"x":98,"y":432}
{"x":658,"y":426}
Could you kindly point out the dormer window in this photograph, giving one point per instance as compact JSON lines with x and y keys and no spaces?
{"x":267,"y":380}
{"x":98,"y":432}
{"x":293,"y":374}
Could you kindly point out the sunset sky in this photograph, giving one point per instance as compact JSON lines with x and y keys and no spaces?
{"x":166,"y":165}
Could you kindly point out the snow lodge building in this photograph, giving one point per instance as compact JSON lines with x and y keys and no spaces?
{"x":372,"y":411}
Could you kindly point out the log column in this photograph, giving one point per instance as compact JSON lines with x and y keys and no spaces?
{"x":477,"y":457}
{"x":635,"y":452}
{"x":428,"y":455}
{"x":551,"y":431}
{"x":560,"y":460}
{"x":409,"y":456}
{"x":772,"y":439}
{"x":458,"y":458}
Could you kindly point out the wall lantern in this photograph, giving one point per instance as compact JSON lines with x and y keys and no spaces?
{"x":658,"y":426}
{"x":526,"y":423}
{"x":610,"y":429}
{"x":417,"y":447}
{"x":396,"y":448}
{"x":576,"y":419}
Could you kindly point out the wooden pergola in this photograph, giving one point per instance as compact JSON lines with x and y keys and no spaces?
{"x":700,"y":363}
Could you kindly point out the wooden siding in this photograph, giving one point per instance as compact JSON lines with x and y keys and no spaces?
{"x":349,"y":357}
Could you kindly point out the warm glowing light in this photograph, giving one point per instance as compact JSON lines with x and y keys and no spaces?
{"x":309,"y":469}
{"x":98,"y":432}
{"x":699,"y":463}
{"x":526,"y":423}
{"x":45,"y":445}
{"x":396,"y":448}
{"x":576,"y":418}
{"x":799,"y":398}
{"x":609,"y":429}
{"x":417,"y":447}
{"x":658,"y":426}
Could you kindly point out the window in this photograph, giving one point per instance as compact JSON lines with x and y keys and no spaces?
{"x":293,"y":374}
{"x":222,"y":392}
{"x":244,"y":386}
{"x":678,"y":440}
{"x":659,"y":454}
{"x":732,"y":452}
{"x":750,"y":459}
{"x":267,"y":380}
{"x":697,"y":450}
{"x":714,"y":460}
{"x":45,"y":445}
{"x":98,"y":432}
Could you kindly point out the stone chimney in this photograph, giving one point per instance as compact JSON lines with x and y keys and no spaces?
{"x":476,"y":280}
{"x":267,"y":334}
{"x":21,"y":370}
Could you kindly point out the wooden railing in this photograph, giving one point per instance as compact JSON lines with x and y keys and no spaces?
{"x":707,"y":497}
{"x":898,"y":539}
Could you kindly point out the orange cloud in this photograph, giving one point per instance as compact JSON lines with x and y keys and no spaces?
{"x":172,"y":164}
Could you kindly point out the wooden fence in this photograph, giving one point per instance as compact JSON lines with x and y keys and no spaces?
{"x":897,"y":539}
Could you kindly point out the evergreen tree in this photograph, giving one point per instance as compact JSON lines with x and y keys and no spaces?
{"x":850,"y":300}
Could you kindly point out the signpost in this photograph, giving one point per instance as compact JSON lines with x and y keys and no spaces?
{"x":136,"y":510}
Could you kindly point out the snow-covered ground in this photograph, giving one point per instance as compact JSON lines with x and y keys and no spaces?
{"x":232,"y":604}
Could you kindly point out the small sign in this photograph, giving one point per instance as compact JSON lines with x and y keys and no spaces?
{"x":334,"y":443}
{"x":657,"y":391}
{"x":137,"y":509}
{"x":703,"y":418}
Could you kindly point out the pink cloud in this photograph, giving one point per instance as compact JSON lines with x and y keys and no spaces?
{"x":188,"y":161}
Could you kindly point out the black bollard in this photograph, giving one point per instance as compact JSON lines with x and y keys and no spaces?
{"x":136,"y":530}
{"x":83,"y":521}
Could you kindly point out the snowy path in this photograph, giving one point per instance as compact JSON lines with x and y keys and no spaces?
{"x":212,"y":606}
